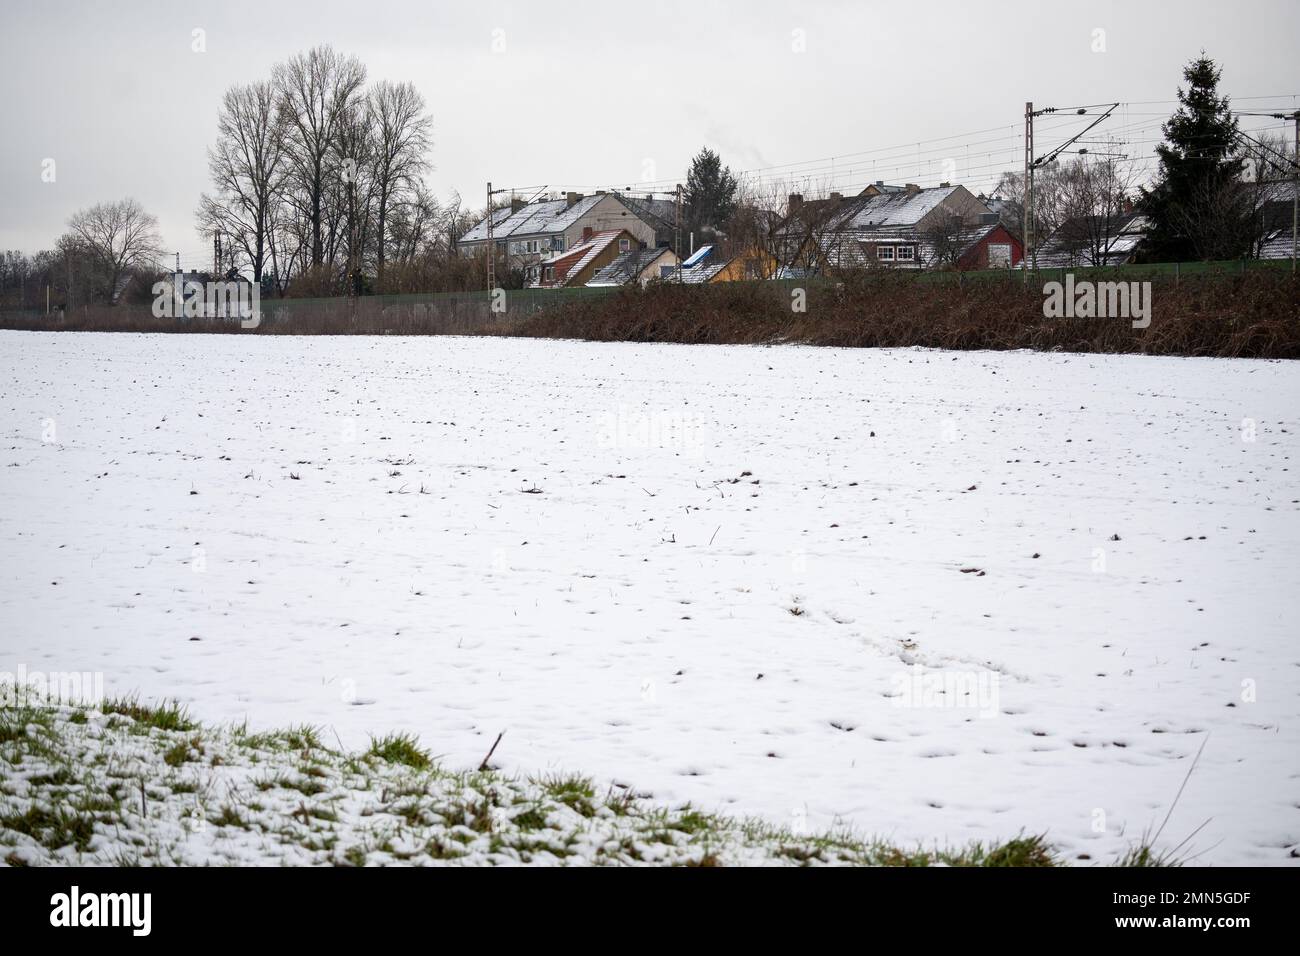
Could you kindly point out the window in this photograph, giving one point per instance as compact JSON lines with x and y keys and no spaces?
{"x":624,"y":245}
{"x":906,"y":253}
{"x":550,"y":273}
{"x":885,"y":253}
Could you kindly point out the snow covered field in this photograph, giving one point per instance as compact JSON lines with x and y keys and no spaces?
{"x":735,"y":576}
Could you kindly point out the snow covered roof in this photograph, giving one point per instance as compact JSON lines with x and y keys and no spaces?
{"x":701,"y":273}
{"x":1073,"y":241}
{"x":571,"y":262}
{"x":627,"y":266}
{"x":538,"y":218}
{"x":890,"y":209}
{"x":1276,"y":244}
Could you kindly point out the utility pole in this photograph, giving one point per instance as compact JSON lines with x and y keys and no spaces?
{"x":354,"y":277}
{"x":491,"y":249}
{"x":677,"y":229}
{"x":1032,"y":163}
{"x":1029,"y":186}
{"x":491,"y":242}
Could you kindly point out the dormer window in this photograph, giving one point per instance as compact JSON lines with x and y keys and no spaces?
{"x":885,"y":253}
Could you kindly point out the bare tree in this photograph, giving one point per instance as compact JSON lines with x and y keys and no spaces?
{"x":117,"y":236}
{"x":1049,"y":205}
{"x":248,"y":166}
{"x":1094,"y":197}
{"x":943,"y":234}
{"x":353,"y":187}
{"x":402,"y":131}
{"x":315,"y":90}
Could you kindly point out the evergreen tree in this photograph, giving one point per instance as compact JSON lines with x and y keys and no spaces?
{"x":1196,"y":205}
{"x":710,"y":193}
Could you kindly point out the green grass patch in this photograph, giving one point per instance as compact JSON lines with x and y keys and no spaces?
{"x":400,"y":749}
{"x":168,"y":715}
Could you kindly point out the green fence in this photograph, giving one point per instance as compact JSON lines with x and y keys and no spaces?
{"x":470,"y":311}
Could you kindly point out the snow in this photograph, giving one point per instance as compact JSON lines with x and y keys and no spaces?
{"x":724,"y":589}
{"x":228,"y":797}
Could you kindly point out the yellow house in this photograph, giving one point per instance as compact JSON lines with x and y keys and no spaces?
{"x":753,"y":263}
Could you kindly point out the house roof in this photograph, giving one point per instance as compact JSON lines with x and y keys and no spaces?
{"x":1072,"y":242}
{"x":627,"y":266}
{"x":889,"y":209}
{"x":855,"y":248}
{"x":661,"y":213}
{"x":577,"y":258}
{"x":1276,"y":243}
{"x":701,"y":273}
{"x":539,"y":218}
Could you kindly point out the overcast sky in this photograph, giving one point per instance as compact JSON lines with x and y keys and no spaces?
{"x":609,"y":94}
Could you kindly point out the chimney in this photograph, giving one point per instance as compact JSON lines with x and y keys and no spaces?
{"x":572,"y":198}
{"x":796,"y":202}
{"x":836,"y":197}
{"x":516,"y":203}
{"x":945,"y":185}
{"x":586,"y":231}
{"x":911,"y":189}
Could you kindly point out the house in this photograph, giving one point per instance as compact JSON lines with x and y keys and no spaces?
{"x":901,"y":227}
{"x":964,"y":248}
{"x":1274,"y":213}
{"x":795,"y":238}
{"x":659,"y":214}
{"x":701,"y":266}
{"x":1093,"y":241}
{"x":753,"y":263}
{"x":527,"y":233}
{"x":578,"y":265}
{"x":642,"y":266}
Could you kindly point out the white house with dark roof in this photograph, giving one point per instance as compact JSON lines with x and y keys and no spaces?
{"x":527,"y":233}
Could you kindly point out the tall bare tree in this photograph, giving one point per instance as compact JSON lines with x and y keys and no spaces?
{"x":403,"y":132}
{"x":249,"y":166}
{"x":315,"y":91}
